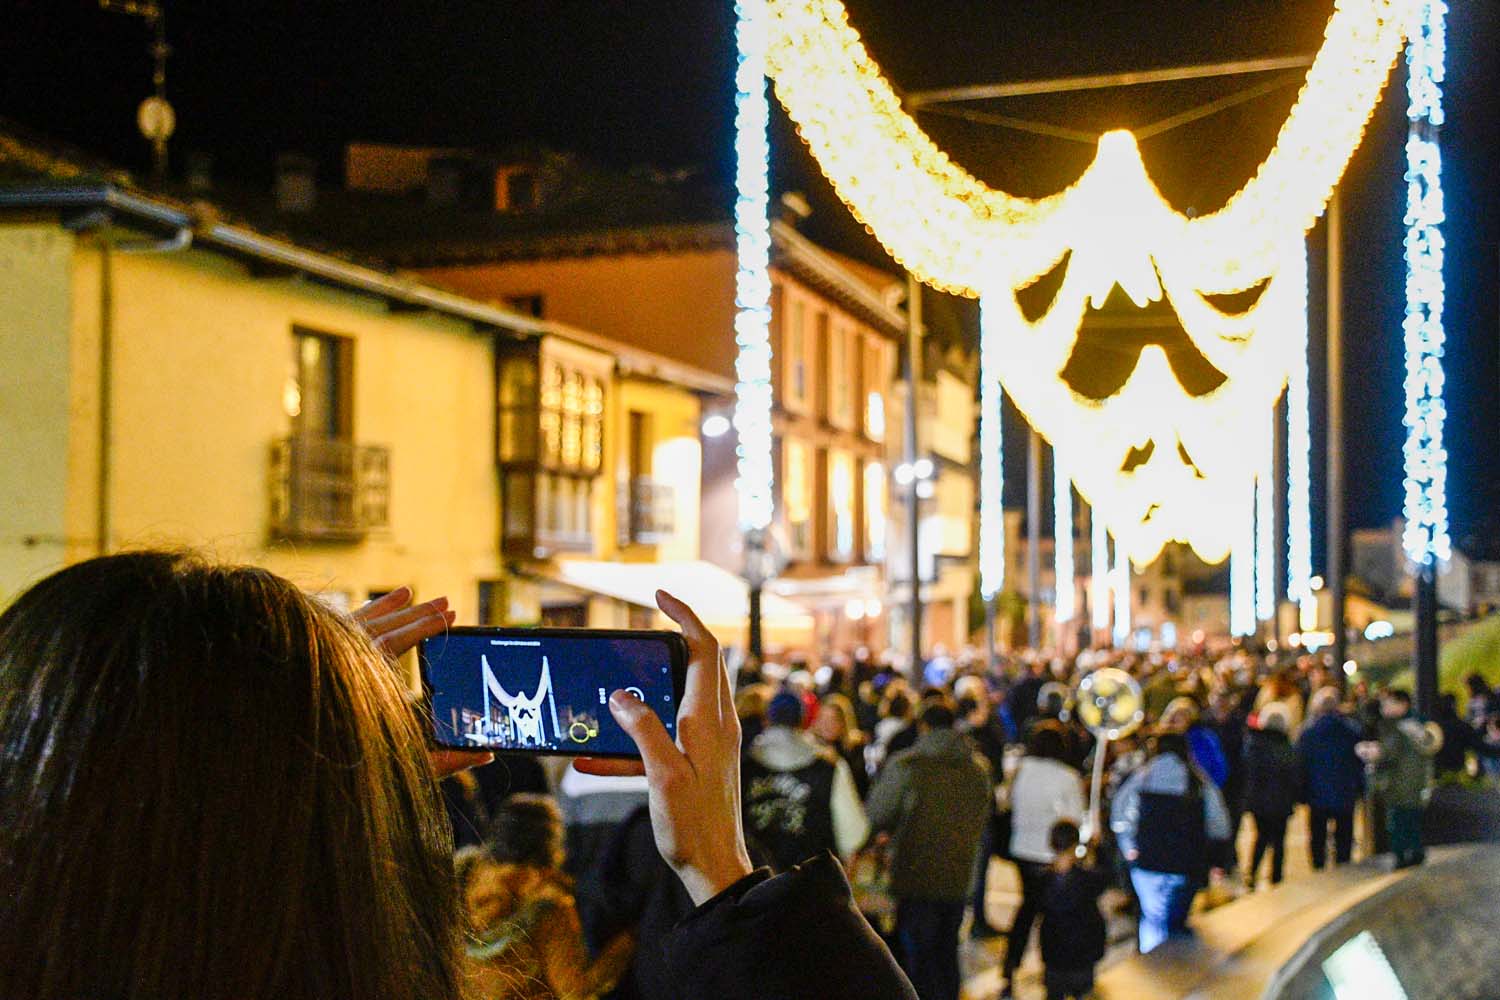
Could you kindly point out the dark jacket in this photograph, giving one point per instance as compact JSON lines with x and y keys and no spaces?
{"x":1073,"y":932}
{"x":793,"y":937}
{"x":1333,"y":776}
{"x":935,"y":799}
{"x":1273,"y":773}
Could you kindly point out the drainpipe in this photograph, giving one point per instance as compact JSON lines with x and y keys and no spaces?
{"x":180,"y":240}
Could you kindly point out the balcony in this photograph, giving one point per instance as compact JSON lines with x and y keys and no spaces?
{"x":647,"y":513}
{"x":328,"y":490}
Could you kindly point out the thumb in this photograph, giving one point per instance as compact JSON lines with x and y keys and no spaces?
{"x":650,"y":736}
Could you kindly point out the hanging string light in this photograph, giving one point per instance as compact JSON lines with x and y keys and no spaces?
{"x":1265,"y":541}
{"x":754,"y":483}
{"x":1426,"y":503}
{"x":1098,"y":572}
{"x":1114,"y":228}
{"x":1242,"y":566}
{"x":1299,"y":469}
{"x":1062,"y":541}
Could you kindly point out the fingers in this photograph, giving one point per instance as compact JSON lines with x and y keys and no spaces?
{"x":609,"y":767}
{"x":704,"y":692}
{"x":658,"y":753}
{"x":381,"y":624}
{"x":398,"y":641}
{"x":384,"y":604}
{"x":446,"y":762}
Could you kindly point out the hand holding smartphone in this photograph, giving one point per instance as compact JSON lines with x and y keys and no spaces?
{"x":546,"y":690}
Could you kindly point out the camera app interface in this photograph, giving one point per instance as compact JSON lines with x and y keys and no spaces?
{"x":546,"y":693}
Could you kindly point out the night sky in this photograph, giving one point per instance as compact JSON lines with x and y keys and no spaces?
{"x":648,"y":82}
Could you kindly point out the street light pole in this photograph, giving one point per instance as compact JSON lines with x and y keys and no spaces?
{"x":914,"y":509}
{"x":1336,"y":530}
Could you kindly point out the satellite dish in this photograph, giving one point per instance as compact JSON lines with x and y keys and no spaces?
{"x":1110,"y":703}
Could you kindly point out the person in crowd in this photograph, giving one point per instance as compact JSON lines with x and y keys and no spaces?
{"x":1284,"y":686}
{"x":1182,"y":715}
{"x":836,"y":728}
{"x":799,"y":796}
{"x":1166,"y":817}
{"x":525,"y":937}
{"x":1273,"y":773}
{"x":750,"y":708}
{"x":977,"y":721}
{"x":934,"y":800}
{"x":1483,"y":701}
{"x":1228,"y":716}
{"x":1044,"y":791}
{"x":1021,"y":700}
{"x":157,"y":710}
{"x":1333,"y":777}
{"x":1073,"y":931}
{"x":867,"y":707}
{"x":897,"y":728}
{"x":1402,"y":759}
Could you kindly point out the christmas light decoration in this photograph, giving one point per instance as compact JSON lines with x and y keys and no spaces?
{"x":1098,"y":572}
{"x":1242,"y":567}
{"x":755,"y":479}
{"x":1299,"y":573}
{"x":1426,"y":504}
{"x":1112,"y":227}
{"x":1062,"y":541}
{"x":1121,"y":585}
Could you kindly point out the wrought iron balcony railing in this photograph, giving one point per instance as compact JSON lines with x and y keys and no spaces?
{"x":327,"y":489}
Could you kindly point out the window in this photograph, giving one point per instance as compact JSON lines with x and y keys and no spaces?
{"x":877,"y":511}
{"x":817,"y":365}
{"x":521,"y":191}
{"x":491,"y":593}
{"x":1173,"y":602}
{"x":797,"y":492}
{"x":319,"y":392}
{"x":841,"y":376}
{"x":518,"y":409}
{"x":874,"y":375}
{"x":840,"y":506}
{"x":796,"y":356}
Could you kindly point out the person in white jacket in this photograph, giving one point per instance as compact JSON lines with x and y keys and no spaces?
{"x":1043,"y":791}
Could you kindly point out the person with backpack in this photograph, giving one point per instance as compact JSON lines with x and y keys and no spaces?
{"x":1166,"y":818}
{"x":799,"y":797}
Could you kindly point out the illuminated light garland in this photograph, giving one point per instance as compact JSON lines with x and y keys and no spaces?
{"x":1242,"y":567}
{"x":1098,"y":572}
{"x":959,"y":235}
{"x":1426,"y":503}
{"x":755,"y":479}
{"x":1299,"y":470}
{"x":1121,"y":586}
{"x":1064,"y":604}
{"x":991,"y":468}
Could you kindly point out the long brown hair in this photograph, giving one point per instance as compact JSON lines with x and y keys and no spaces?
{"x":211,"y":787}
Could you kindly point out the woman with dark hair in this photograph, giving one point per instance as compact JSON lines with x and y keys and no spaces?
{"x":213,"y":787}
{"x":1044,"y":791}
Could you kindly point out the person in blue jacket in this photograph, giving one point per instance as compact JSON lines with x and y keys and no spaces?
{"x":1333,"y":776}
{"x":1182,"y":716}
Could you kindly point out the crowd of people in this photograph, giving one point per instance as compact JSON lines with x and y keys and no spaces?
{"x":214,"y":786}
{"x":915,"y":784}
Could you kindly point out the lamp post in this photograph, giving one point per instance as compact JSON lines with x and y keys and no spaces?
{"x":914,"y":499}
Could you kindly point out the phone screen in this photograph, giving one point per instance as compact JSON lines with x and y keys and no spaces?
{"x":547,"y":690}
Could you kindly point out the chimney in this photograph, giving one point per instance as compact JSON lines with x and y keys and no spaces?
{"x":296,"y":183}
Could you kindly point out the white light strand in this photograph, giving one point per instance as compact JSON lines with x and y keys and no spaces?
{"x":1299,"y":468}
{"x":1065,"y":603}
{"x":1098,"y":572}
{"x":1265,"y":538}
{"x":1242,"y":567}
{"x":991,"y":466}
{"x":1121,"y":583}
{"x":755,"y":480}
{"x":1426,"y":502}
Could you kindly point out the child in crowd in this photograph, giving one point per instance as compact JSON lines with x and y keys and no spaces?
{"x":1073,"y":935}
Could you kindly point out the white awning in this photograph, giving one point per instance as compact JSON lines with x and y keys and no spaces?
{"x":720,"y":598}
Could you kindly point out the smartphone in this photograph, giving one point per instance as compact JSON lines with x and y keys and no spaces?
{"x":546,"y":690}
